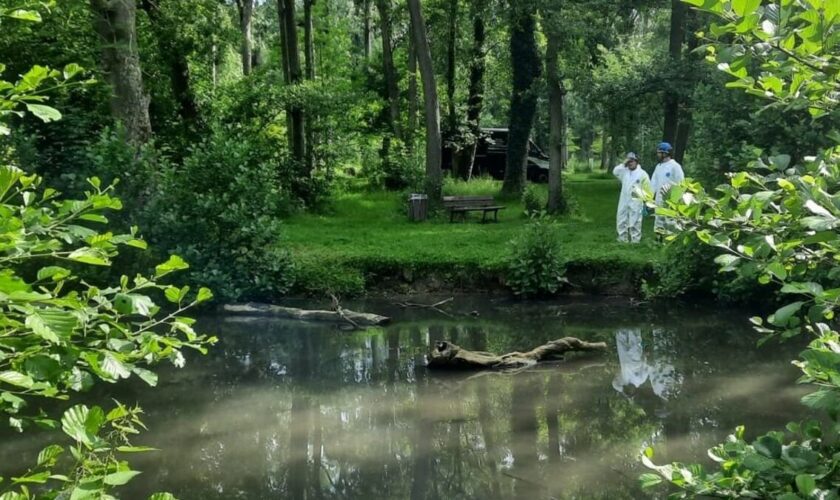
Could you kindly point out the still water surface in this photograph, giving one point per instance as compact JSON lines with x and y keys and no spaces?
{"x":282,"y":409}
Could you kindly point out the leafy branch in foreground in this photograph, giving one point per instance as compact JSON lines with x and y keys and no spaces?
{"x":776,"y":223}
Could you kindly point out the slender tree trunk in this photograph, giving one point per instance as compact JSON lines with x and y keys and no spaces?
{"x":308,"y":39}
{"x":298,"y":144}
{"x":179,"y":70}
{"x":605,"y":146}
{"x":215,"y":64}
{"x":523,"y":102}
{"x":686,"y":115}
{"x":434,"y":176}
{"x":367,"y":28}
{"x":412,"y":92}
{"x":672,"y":99}
{"x":309,"y":53}
{"x":478,"y":67}
{"x":391,"y":88}
{"x":451,"y":44}
{"x":557,"y":119}
{"x":115,"y":23}
{"x":246,"y":14}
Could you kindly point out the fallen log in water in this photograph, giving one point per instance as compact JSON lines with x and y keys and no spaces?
{"x":450,"y":356}
{"x":338,"y":316}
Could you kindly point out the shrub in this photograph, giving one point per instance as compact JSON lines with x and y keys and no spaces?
{"x":533,"y":200}
{"x":535,"y":265}
{"x":221,"y":210}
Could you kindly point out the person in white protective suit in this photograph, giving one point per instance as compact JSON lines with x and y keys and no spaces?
{"x":628,"y":220}
{"x":667,"y":173}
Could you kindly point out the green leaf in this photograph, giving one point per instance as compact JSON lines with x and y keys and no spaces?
{"x":25,"y":15}
{"x":136,"y":449}
{"x":52,"y":325}
{"x":162,"y":496}
{"x":113,"y":367}
{"x":17,"y":379}
{"x":806,"y":484}
{"x":745,"y":7}
{"x":204,"y":294}
{"x":174,"y":263}
{"x":147,"y":376}
{"x":649,"y":480}
{"x":783,"y":314}
{"x":45,"y":113}
{"x":9,"y":175}
{"x":89,"y":255}
{"x":758,"y":463}
{"x":73,"y":423}
{"x":54,"y":273}
{"x":824,"y":400}
{"x":768,"y":446}
{"x":48,"y":455}
{"x":778,"y":270}
{"x":120,"y":478}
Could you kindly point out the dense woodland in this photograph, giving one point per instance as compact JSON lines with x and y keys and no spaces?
{"x":233,"y":134}
{"x":220,"y":119}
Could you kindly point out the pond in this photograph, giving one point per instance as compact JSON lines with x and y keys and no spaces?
{"x":283,"y":409}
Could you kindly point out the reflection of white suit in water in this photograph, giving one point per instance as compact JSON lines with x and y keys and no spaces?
{"x":635,"y":370}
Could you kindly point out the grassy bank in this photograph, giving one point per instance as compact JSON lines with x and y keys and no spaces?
{"x":365,"y":241}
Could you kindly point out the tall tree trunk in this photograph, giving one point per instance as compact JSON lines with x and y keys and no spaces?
{"x":179,"y":70}
{"x":295,"y":76}
{"x":115,"y":23}
{"x":557,"y":119}
{"x":523,"y":103}
{"x":308,"y":42}
{"x":309,"y":54}
{"x":412,"y":92}
{"x":391,"y":89}
{"x":672,"y":99}
{"x":246,"y":15}
{"x":478,"y":66}
{"x":451,"y":44}
{"x":367,"y":28}
{"x":434,"y":176}
{"x":605,"y":146}
{"x":686,"y":115}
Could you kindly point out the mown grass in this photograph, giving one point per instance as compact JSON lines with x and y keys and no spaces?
{"x":368,"y":233}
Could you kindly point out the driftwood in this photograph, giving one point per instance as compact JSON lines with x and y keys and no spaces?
{"x":434,"y":307}
{"x":450,"y":356}
{"x":339,"y":316}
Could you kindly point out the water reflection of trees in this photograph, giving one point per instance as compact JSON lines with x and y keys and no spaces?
{"x":285,"y":410}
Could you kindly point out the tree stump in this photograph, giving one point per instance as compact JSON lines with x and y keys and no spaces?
{"x":447,"y":355}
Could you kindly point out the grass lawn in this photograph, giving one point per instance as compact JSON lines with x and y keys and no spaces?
{"x":367,"y":231}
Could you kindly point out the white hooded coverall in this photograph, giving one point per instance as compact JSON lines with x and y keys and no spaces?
{"x":628,"y":220}
{"x":665,"y":175}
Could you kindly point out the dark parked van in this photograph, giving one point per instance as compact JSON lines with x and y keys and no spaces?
{"x":491,"y":157}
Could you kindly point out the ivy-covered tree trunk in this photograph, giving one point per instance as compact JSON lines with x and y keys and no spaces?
{"x":246,"y":15}
{"x":392,"y":91}
{"x":367,"y":27}
{"x":179,"y":70}
{"x":295,"y":76}
{"x":309,"y":57}
{"x":451,"y":45}
{"x":434,"y":176}
{"x":525,"y":61}
{"x":308,"y":39}
{"x":672,"y":99}
{"x":478,"y":67}
{"x":557,"y":119}
{"x":115,"y":23}
{"x":413,"y":97}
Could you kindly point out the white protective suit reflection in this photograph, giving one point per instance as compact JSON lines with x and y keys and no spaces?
{"x":628,"y":219}
{"x":635,"y":369}
{"x":665,"y":175}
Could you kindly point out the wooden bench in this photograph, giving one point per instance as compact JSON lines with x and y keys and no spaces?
{"x":463,"y":204}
